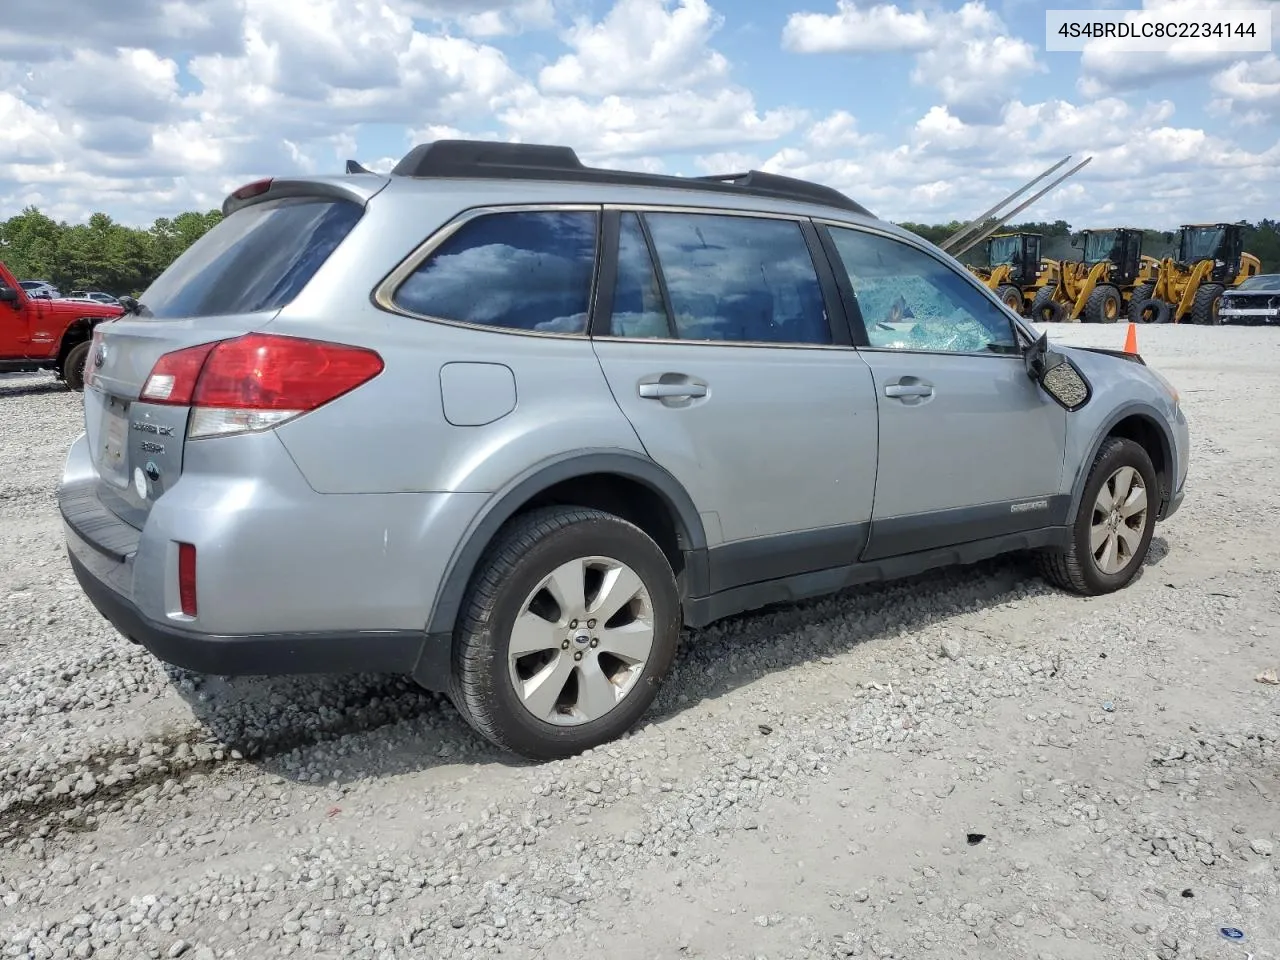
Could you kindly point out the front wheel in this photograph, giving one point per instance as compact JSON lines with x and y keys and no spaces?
{"x":73,"y":366}
{"x":1112,"y":530}
{"x":1103,"y":305}
{"x":1207,"y":303}
{"x":569,"y":627}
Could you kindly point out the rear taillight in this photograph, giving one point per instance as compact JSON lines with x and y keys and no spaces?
{"x":187,"y":578}
{"x":89,"y":367}
{"x":257,"y":381}
{"x":173,"y":379}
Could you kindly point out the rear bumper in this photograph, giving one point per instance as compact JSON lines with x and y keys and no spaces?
{"x":289,"y":581}
{"x":380,"y":651}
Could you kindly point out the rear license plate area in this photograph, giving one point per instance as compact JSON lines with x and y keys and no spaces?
{"x":113,"y":455}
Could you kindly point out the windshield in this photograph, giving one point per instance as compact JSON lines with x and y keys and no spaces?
{"x":1267,"y":281}
{"x":1201,"y":244}
{"x":1003,"y":250}
{"x":1098,"y":246}
{"x":258,"y":258}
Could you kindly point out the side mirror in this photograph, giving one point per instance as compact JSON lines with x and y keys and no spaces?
{"x":8,"y":294}
{"x":1057,"y":375}
{"x":129,"y":303}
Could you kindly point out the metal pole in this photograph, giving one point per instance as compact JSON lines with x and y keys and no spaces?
{"x":1022,"y":206}
{"x":951,"y":240}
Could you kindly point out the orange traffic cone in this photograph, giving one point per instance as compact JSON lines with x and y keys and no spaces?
{"x":1131,"y":340}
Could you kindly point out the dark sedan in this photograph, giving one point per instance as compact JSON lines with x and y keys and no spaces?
{"x":1256,"y":301}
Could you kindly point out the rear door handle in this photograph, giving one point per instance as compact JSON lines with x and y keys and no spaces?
{"x":666,"y":391}
{"x":908,"y":390}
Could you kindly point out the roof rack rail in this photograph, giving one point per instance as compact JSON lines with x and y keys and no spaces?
{"x":492,"y":159}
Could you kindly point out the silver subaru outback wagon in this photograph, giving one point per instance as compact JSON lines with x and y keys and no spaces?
{"x":508,"y":423}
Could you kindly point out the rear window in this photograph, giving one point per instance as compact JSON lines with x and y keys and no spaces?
{"x":258,"y":258}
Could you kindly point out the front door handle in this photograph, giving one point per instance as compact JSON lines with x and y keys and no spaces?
{"x":908,"y":390}
{"x":667,"y":391}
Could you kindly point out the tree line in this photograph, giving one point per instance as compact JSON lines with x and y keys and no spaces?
{"x":99,"y":254}
{"x":102,"y":254}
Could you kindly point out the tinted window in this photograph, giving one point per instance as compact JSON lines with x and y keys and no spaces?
{"x":912,"y":301}
{"x":259,"y":258}
{"x":520,"y":270}
{"x":637,"y":299}
{"x":739,"y":279}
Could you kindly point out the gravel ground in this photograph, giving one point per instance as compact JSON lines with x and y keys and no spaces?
{"x":965,"y":764}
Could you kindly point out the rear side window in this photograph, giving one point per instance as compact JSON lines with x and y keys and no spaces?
{"x":259,"y":258}
{"x":729,"y":278}
{"x":524,"y":270}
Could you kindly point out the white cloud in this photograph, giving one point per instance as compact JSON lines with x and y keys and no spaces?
{"x":1253,"y":86}
{"x":640,"y":46}
{"x":487,"y":18}
{"x":1144,"y":169}
{"x":883,"y":28}
{"x":619,"y":127}
{"x":194,"y":99}
{"x":838,"y":130}
{"x":1105,"y":68}
{"x":967,"y":55}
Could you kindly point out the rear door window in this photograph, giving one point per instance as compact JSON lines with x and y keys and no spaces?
{"x":523,"y":270}
{"x":737,"y":279}
{"x":259,"y":258}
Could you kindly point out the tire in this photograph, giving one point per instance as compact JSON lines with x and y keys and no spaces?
{"x":1075,"y":567}
{"x":1150,"y":310}
{"x":508,"y":584}
{"x":1139,"y":297}
{"x":73,"y":366}
{"x":1103,"y":305}
{"x":1204,"y":308}
{"x":1045,"y":309}
{"x":1011,"y":297}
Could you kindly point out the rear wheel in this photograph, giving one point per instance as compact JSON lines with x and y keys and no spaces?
{"x":1207,"y":303}
{"x":567,"y":631}
{"x":1011,"y":296}
{"x":1045,"y":309}
{"x":1112,"y":530}
{"x":73,"y":365}
{"x":1103,"y":305}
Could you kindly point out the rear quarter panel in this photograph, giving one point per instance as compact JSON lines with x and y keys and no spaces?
{"x":392,"y":434}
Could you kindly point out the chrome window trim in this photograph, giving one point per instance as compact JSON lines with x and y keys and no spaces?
{"x":384,"y":292}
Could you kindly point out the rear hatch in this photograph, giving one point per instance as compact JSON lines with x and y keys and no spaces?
{"x":233,"y":280}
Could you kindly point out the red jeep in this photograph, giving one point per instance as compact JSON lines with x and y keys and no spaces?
{"x":37,"y":333}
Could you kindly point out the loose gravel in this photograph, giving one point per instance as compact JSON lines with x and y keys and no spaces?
{"x":968,"y":763}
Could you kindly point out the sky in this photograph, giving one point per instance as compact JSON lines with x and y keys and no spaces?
{"x":922,"y":110}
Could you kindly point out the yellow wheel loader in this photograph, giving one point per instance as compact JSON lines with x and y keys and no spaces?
{"x":1099,"y":286}
{"x":1014,"y":268}
{"x":1211,"y":258}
